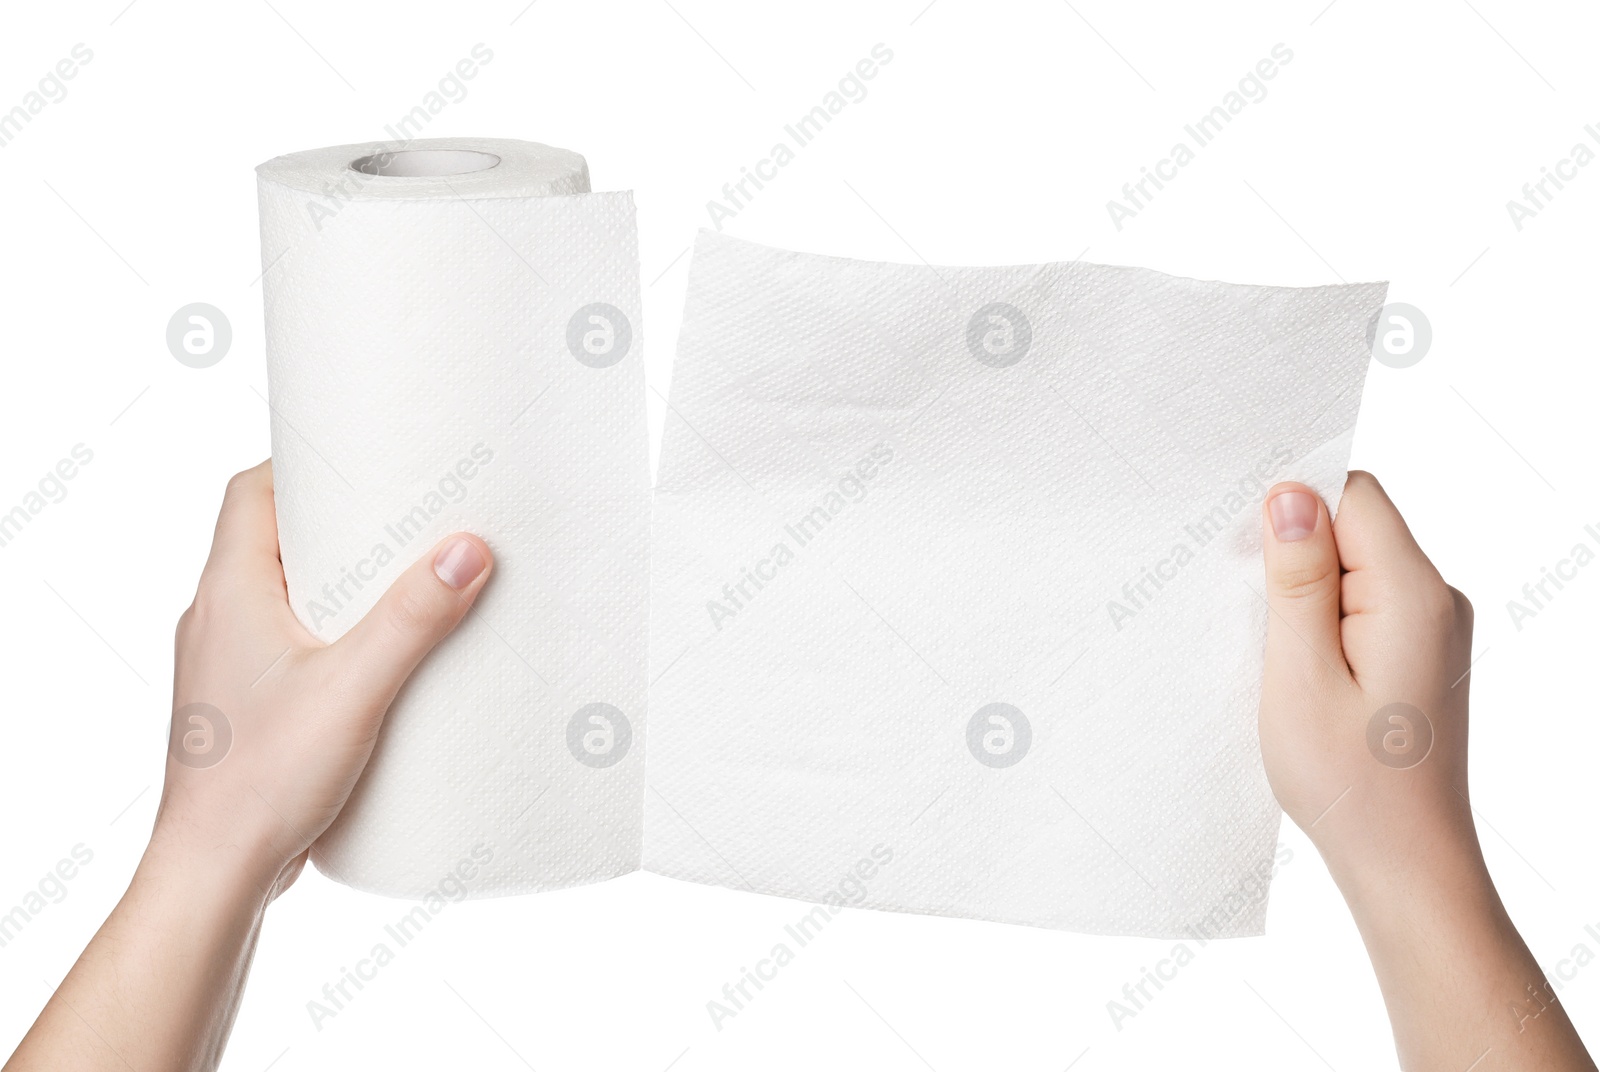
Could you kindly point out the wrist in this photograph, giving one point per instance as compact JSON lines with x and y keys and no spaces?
{"x":1426,"y":872}
{"x":1378,"y":837}
{"x":236,"y":868}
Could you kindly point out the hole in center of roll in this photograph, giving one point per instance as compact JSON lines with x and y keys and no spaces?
{"x":425,"y":163}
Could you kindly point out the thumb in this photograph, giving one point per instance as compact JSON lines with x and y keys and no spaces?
{"x":420,"y":609}
{"x":1302,"y":583}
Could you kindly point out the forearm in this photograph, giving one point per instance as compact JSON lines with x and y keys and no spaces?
{"x":158,"y":986}
{"x":1461,"y":987}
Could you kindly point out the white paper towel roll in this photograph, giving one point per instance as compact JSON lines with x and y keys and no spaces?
{"x":453,"y":344}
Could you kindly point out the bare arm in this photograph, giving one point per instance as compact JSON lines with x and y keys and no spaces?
{"x":1364,"y":734}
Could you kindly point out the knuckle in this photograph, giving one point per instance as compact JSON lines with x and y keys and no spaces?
{"x":256,"y":474}
{"x":1437,"y":607}
{"x":238,"y":482}
{"x":1438,"y":603}
{"x":410,"y":612}
{"x":1303,"y":583}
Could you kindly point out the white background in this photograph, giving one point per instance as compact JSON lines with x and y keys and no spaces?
{"x":1387,"y":148}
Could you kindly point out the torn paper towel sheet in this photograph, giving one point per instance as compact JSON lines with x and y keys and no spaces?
{"x":453,"y":344}
{"x":956,"y":583}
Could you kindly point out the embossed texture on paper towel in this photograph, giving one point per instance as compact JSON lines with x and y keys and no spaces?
{"x":961,"y":567}
{"x":453,"y":343}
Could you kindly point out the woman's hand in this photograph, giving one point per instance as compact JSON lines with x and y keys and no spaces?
{"x":271,"y":727}
{"x":270,"y":730}
{"x":1364,"y":735}
{"x":1364,"y":702}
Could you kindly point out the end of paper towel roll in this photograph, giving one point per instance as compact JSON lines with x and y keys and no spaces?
{"x":425,"y":163}
{"x":447,"y":170}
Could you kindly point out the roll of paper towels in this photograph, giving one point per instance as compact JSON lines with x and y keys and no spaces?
{"x":453,"y":344}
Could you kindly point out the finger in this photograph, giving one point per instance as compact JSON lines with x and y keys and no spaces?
{"x":246,"y":540}
{"x":1372,"y":535}
{"x":1302,"y":564}
{"x":420,"y":609}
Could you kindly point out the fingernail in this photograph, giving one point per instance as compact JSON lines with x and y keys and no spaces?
{"x":458,"y":563}
{"x":1294,"y":514}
